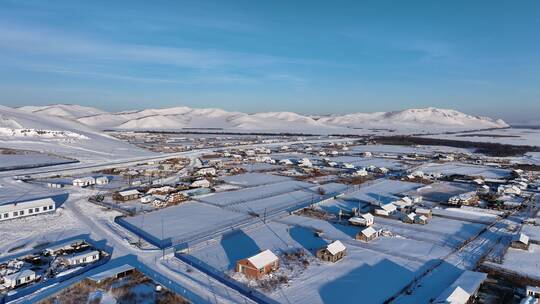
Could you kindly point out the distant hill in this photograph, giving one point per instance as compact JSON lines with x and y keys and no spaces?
{"x":423,"y":120}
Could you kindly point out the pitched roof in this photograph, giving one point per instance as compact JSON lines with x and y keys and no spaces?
{"x":523,"y":238}
{"x":369,"y":231}
{"x":262,"y":259}
{"x":335,"y":247}
{"x":466,"y":285}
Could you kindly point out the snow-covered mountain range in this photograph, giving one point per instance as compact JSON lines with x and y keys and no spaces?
{"x":176,"y":118}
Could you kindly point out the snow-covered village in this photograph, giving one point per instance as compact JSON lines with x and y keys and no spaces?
{"x":310,"y":152}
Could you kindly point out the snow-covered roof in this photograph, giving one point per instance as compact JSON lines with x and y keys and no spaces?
{"x":466,"y":285}
{"x":422,"y":210}
{"x":369,"y":231}
{"x":262,"y":259}
{"x":335,"y":247}
{"x":111,"y":272}
{"x":8,"y":206}
{"x":366,"y":216}
{"x":19,"y":274}
{"x":522,"y":238}
{"x":83,"y":254}
{"x":388,"y":207}
{"x":128,"y":192}
{"x":411,"y":215}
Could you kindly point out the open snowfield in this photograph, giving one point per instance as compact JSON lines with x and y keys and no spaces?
{"x":511,"y":136}
{"x":441,"y":191}
{"x":369,"y":161}
{"x":366,"y":267}
{"x":383,"y":190}
{"x":399,"y":150}
{"x":183,"y":222}
{"x":254,"y":193}
{"x":254,"y":179}
{"x":30,"y":231}
{"x":524,"y":262}
{"x":464,"y":169}
{"x":29,"y":160}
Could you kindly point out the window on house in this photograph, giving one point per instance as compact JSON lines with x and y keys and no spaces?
{"x":6,"y":215}
{"x":22,"y":212}
{"x":30,"y":210}
{"x":36,"y":209}
{"x":15,"y":213}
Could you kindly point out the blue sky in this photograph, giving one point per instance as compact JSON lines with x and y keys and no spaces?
{"x":314,"y":57}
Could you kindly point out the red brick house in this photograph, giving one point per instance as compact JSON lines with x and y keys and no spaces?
{"x":258,"y":265}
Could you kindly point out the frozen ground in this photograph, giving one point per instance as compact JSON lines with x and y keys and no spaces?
{"x":254,"y":193}
{"x":410,"y":250}
{"x":371,"y":161}
{"x":464,"y":169}
{"x":25,"y":233}
{"x":512,"y":136}
{"x":382,"y":190}
{"x":441,"y":191}
{"x":396,"y":150}
{"x":15,"y":161}
{"x":254,"y":179}
{"x":185,"y":221}
{"x":524,"y":262}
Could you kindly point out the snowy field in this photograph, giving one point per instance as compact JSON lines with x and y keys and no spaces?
{"x":524,"y":262}
{"x":182,"y":222}
{"x":254,"y":179}
{"x":30,"y":160}
{"x":465,"y":214}
{"x":15,"y":190}
{"x":464,"y":169}
{"x":441,"y":191}
{"x":410,"y":249}
{"x":261,"y":167}
{"x":383,"y":190}
{"x":371,"y":161}
{"x":396,"y":150}
{"x":512,"y":136}
{"x":25,"y":233}
{"x":255,"y":193}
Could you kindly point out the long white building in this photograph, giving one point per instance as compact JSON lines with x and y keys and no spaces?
{"x":13,"y":210}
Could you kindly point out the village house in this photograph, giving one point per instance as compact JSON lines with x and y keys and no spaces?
{"x":409,"y":218}
{"x":126,"y":195}
{"x":366,"y":154}
{"x":258,"y":265}
{"x":11,"y":210}
{"x":509,"y":189}
{"x":520,"y":241}
{"x":360,"y":173}
{"x":385,"y":210}
{"x":84,"y":181}
{"x":19,"y":278}
{"x":102,"y":180}
{"x":206,"y":171}
{"x":367,"y":234}
{"x":463,"y":290}
{"x":81,"y":258}
{"x":467,"y":198}
{"x":421,"y":219}
{"x":533,"y":291}
{"x":365,"y":220}
{"x":424,"y":211}
{"x":200,"y":183}
{"x":333,"y":252}
{"x":55,"y":185}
